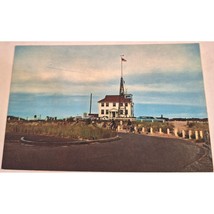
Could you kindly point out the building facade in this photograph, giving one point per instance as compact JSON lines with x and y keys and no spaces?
{"x":116,"y":106}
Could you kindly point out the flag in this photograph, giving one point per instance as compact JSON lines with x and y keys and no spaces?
{"x":123,"y":59}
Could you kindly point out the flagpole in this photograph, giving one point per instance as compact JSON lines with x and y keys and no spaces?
{"x":121,"y":65}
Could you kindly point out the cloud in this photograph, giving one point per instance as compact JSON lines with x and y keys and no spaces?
{"x":79,"y":70}
{"x":174,"y":98}
{"x":160,"y":87}
{"x":94,"y":62}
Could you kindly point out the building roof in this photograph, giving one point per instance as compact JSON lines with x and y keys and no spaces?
{"x":115,"y":99}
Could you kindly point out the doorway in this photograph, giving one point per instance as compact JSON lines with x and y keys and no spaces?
{"x":113,"y":114}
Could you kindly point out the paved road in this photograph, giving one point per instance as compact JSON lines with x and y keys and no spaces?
{"x":132,"y":153}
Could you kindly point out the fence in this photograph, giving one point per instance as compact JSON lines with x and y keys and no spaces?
{"x":197,"y":135}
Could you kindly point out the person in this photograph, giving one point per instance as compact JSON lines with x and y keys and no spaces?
{"x":129,"y":125}
{"x":104,"y":125}
{"x":113,"y":124}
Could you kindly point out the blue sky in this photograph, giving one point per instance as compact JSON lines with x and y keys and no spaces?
{"x":160,"y":74}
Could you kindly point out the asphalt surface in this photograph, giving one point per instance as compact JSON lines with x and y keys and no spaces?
{"x":132,"y":153}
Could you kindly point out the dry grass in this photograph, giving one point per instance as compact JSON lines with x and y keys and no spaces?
{"x":64,"y":130}
{"x":203,"y":126}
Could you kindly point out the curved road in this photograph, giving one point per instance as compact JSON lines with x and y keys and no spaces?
{"x":132,"y":153}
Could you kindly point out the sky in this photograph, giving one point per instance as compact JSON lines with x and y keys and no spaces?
{"x":160,"y":76}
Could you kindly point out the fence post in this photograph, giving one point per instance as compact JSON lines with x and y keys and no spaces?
{"x":183,"y":134}
{"x":196,"y":135}
{"x":207,"y":137}
{"x":143,"y":130}
{"x":119,"y":128}
{"x":168,"y":131}
{"x":176,"y":132}
{"x":201,"y":134}
{"x":190,"y":133}
{"x":135,"y":129}
{"x":151,"y":130}
{"x":160,"y":130}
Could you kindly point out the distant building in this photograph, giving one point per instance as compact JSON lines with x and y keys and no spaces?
{"x":13,"y":118}
{"x":117,"y":106}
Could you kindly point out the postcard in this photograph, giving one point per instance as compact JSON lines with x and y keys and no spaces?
{"x":107,"y":107}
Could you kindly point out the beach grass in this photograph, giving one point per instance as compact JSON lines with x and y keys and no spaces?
{"x":77,"y":131}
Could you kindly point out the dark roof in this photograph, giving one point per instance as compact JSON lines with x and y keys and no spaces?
{"x":115,"y":99}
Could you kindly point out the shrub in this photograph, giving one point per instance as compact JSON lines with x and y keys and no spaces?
{"x":198,"y":126}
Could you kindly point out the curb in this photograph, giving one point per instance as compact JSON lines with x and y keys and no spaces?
{"x":195,"y":163}
{"x":77,"y":142}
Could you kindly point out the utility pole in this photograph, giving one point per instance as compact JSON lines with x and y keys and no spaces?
{"x":90,"y":103}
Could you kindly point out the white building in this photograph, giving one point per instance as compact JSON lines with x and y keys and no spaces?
{"x":116,"y":106}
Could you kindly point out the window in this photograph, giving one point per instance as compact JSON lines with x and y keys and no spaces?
{"x":102,"y":111}
{"x":121,"y":104}
{"x":126,"y":104}
{"x":114,"y":104}
{"x":106,"y":111}
{"x":126,"y":112}
{"x":107,"y":104}
{"x":102,"y":104}
{"x":121,"y":111}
